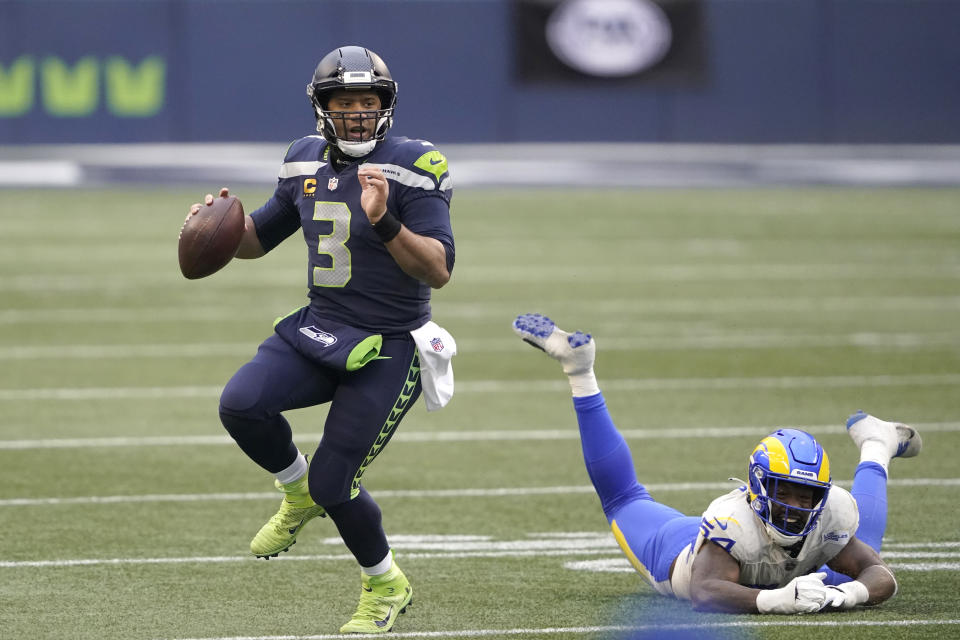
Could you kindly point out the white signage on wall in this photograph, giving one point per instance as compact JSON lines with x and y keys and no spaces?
{"x":609,"y":38}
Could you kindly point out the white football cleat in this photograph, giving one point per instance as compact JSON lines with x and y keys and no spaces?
{"x":901,"y":440}
{"x":575,"y":351}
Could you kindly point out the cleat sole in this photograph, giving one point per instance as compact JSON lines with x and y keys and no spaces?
{"x":267,"y":556}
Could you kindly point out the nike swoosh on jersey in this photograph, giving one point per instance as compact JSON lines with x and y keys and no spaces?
{"x":722,"y":525}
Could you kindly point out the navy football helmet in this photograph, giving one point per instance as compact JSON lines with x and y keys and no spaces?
{"x":352,"y":68}
{"x":793,"y":457}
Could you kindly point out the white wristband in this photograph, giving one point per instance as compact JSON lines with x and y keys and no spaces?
{"x":774,"y":601}
{"x":857,"y":593}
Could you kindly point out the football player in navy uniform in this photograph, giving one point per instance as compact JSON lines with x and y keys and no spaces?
{"x":375,"y":214}
{"x":787,"y":541}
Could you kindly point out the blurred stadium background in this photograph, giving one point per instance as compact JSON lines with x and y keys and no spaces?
{"x":753,"y":204}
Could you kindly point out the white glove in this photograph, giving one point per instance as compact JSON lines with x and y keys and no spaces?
{"x":847,"y":595}
{"x":803,"y":594}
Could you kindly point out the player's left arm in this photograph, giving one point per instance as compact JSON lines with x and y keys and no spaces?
{"x":873,"y":581}
{"x":421,"y":257}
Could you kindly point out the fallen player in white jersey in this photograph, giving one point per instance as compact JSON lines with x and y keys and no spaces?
{"x":786,"y":541}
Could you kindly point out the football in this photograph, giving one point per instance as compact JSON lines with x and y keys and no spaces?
{"x":210,"y":239}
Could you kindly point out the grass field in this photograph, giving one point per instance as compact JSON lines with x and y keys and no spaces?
{"x":125,"y":512}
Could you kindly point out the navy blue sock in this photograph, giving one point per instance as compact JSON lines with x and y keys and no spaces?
{"x":359,"y":522}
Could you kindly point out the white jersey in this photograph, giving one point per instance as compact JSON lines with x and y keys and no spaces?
{"x":731,"y":523}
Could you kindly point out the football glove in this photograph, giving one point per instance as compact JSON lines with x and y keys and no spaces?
{"x":803,"y":594}
{"x":847,"y":595}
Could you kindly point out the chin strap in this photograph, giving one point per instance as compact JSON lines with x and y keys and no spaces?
{"x":356,"y":149}
{"x":783,"y":540}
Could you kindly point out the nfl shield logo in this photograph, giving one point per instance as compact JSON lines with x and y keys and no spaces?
{"x":332,"y":184}
{"x":436,"y":344}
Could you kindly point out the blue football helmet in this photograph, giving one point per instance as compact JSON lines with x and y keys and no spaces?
{"x":352,"y":68}
{"x":788,"y":457}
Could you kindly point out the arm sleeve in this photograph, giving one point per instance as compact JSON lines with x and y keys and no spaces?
{"x":276,"y":220}
{"x":429,"y":215}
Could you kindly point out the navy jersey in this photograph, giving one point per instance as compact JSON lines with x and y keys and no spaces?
{"x":352,"y":277}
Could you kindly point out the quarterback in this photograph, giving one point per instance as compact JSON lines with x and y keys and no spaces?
{"x":374,"y":212}
{"x":786,"y":541}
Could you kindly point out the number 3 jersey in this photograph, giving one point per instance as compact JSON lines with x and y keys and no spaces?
{"x":352,"y":278}
{"x":731,"y":523}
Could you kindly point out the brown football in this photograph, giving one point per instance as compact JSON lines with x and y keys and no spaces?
{"x":210,"y":239}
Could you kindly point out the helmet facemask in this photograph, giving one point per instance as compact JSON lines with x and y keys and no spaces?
{"x":789,"y":462}
{"x":361,"y":130}
{"x":786,"y":519}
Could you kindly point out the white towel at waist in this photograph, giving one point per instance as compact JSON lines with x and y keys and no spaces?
{"x":436,"y":347}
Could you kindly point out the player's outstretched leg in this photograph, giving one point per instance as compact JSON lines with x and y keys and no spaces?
{"x":637,"y":521}
{"x":296,"y":510}
{"x":879,"y":441}
{"x":382,"y":599}
{"x":605,"y":452}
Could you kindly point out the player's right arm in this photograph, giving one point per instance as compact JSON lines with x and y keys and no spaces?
{"x":714,"y":583}
{"x":250,"y":246}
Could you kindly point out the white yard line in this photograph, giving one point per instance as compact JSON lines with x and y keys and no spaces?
{"x":122,"y":351}
{"x":422,"y":493}
{"x":522,"y":386}
{"x":706,"y":627}
{"x":457,"y":547}
{"x":548,"y":273}
{"x":507,"y":435}
{"x":770,"y":340}
{"x":760,"y":304}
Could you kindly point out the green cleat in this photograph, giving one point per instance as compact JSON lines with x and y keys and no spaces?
{"x":382,"y":599}
{"x":296,"y":510}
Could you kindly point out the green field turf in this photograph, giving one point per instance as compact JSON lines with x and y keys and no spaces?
{"x":125,"y":512}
